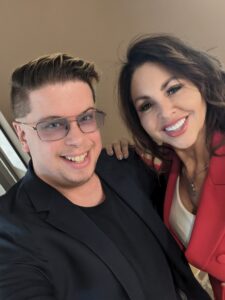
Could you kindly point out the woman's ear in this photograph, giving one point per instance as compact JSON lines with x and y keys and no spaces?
{"x":21,"y":136}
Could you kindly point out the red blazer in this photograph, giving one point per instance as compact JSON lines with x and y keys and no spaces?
{"x":206,"y":249}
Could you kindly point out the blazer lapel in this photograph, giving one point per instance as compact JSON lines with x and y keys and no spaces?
{"x":209,"y":225}
{"x":210,"y":220}
{"x":174,"y":172}
{"x":66,"y":217}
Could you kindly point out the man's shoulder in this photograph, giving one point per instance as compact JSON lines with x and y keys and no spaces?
{"x":104,"y":158}
{"x":134,"y":161}
{"x":131,"y":171}
{"x":7,"y":199}
{"x":10,"y":222}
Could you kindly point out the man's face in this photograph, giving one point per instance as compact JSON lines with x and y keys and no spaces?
{"x":70,"y":161}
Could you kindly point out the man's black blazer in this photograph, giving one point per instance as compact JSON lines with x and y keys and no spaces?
{"x":50,"y":249}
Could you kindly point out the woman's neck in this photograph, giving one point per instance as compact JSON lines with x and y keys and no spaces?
{"x":194,"y":167}
{"x":196,"y":157}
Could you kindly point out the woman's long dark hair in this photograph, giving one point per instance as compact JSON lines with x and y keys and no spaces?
{"x":204,"y":71}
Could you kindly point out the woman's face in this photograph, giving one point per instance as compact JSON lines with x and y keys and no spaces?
{"x":171,"y":109}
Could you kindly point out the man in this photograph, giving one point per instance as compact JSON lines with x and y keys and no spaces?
{"x":74,"y":228}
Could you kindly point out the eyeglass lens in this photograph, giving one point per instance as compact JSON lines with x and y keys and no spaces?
{"x":58,"y":128}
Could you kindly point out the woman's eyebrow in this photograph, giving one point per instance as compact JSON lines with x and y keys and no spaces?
{"x":164,"y":85}
{"x":142,"y":97}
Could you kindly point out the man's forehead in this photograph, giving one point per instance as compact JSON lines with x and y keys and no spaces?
{"x":62,"y":87}
{"x":59,"y":100}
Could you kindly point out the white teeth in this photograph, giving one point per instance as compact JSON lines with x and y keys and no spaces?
{"x":176,"y":126}
{"x":77,"y":159}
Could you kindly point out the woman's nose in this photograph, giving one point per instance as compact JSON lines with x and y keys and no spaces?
{"x":166,"y":108}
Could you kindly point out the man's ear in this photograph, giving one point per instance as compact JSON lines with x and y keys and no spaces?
{"x":21,"y":136}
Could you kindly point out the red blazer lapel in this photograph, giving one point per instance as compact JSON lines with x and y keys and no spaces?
{"x":207,"y":245}
{"x":206,"y":248}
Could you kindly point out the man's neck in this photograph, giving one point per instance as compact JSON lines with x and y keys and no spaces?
{"x":87,"y":195}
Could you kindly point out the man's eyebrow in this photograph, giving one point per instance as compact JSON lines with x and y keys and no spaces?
{"x":49,"y":118}
{"x":89,"y":108}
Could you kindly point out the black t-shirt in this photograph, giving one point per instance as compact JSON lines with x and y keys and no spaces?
{"x":137,"y":244}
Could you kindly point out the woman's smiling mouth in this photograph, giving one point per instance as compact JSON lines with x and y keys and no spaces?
{"x":176,"y":128}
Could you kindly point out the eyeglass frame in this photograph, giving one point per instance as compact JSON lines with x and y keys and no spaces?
{"x":75,"y":119}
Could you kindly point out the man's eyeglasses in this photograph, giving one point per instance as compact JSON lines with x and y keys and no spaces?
{"x":57,"y":128}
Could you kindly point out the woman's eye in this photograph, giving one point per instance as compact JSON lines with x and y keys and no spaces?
{"x":144,"y":107}
{"x":173,"y":89}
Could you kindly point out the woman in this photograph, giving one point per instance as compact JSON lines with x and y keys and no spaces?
{"x":172,"y":98}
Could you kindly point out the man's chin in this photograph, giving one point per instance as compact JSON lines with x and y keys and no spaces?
{"x":77,"y":182}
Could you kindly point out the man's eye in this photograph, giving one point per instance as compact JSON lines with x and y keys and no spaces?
{"x":173,"y":89}
{"x":145,"y":107}
{"x":53,"y":125}
{"x":87,"y":117}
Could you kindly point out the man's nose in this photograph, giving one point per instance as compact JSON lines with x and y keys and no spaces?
{"x":75,"y":136}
